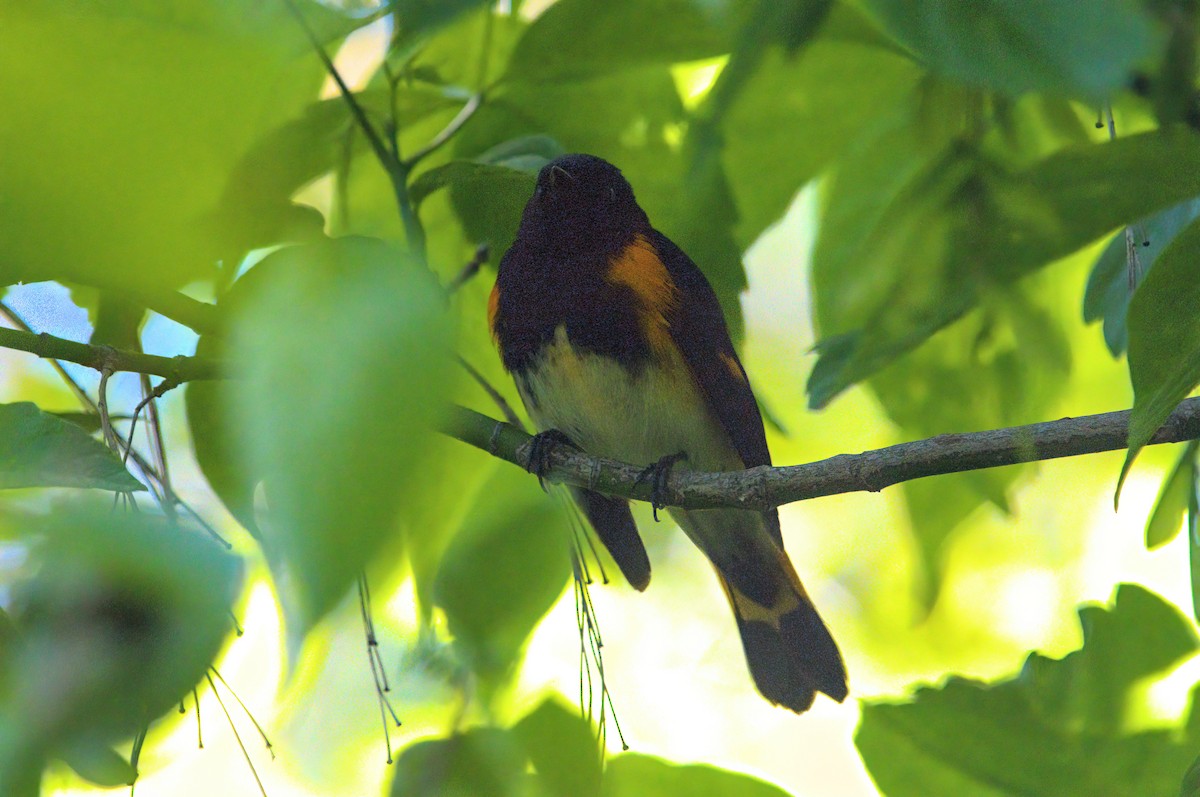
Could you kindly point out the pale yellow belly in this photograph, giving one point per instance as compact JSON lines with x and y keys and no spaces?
{"x":635,"y":417}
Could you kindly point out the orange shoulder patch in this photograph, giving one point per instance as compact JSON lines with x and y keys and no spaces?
{"x":639,"y":268}
{"x":493,"y":306}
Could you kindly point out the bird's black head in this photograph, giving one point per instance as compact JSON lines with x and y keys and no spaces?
{"x":582,"y":204}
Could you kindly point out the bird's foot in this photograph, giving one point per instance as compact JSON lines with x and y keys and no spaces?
{"x":657,"y":474}
{"x":538,"y":461}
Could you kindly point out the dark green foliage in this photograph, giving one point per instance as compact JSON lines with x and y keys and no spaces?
{"x":38,"y":449}
{"x":1058,"y":727}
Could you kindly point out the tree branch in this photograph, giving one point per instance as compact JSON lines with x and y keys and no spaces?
{"x":763,"y":488}
{"x":396,"y":169}
{"x":102,"y":358}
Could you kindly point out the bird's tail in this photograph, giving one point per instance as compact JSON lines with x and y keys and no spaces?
{"x":791,"y":653}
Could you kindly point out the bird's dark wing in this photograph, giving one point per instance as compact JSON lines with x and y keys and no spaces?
{"x":697,"y":326}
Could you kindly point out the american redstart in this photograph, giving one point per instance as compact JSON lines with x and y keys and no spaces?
{"x":618,"y":344}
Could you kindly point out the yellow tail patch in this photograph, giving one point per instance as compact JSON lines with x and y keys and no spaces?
{"x":788,"y":597}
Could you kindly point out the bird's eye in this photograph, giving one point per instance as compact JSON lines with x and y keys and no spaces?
{"x":612,"y":194}
{"x":539,"y":191}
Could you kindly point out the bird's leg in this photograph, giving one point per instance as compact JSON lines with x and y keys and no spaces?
{"x":657,"y":474}
{"x":538,"y":461}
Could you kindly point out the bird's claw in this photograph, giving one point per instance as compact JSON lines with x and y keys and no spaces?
{"x":538,"y":461}
{"x":658,"y":474}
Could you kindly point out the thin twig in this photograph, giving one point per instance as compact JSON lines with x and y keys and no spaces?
{"x":236,"y":735}
{"x":181,"y":369}
{"x":148,"y":399}
{"x":765,"y":487}
{"x":505,"y":408}
{"x":468,"y":272}
{"x":152,"y":477}
{"x":395,"y":168}
{"x":378,"y":674}
{"x":249,"y":714}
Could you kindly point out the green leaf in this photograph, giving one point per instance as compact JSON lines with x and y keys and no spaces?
{"x":576,"y":39}
{"x":635,"y":775}
{"x":490,"y":191}
{"x":1057,"y":728}
{"x":794,"y":116}
{"x":143,"y":602}
{"x":341,"y":353}
{"x":97,"y":763}
{"x":417,"y":19}
{"x":140,"y":185}
{"x":38,"y":449}
{"x":1108,"y":292}
{"x":504,"y":571}
{"x":1173,"y":499}
{"x":481,"y":761}
{"x":563,"y":749}
{"x":964,"y":225}
{"x":214,"y":447}
{"x":1164,"y":341}
{"x":1084,"y":50}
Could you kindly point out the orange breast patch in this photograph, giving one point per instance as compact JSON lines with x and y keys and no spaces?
{"x":639,"y":268}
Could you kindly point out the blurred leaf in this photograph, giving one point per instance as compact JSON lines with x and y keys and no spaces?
{"x":138,"y":184}
{"x":1173,"y":499}
{"x":449,"y":57}
{"x":329,"y":341}
{"x":481,"y":761}
{"x":792,"y":22}
{"x":143,"y":602}
{"x":965,"y":225}
{"x":117,"y":321}
{"x":1085,"y":50}
{"x":1108,"y":292}
{"x":936,"y":507}
{"x":518,"y":160}
{"x":216,"y":451}
{"x":38,"y":449}
{"x":1013,"y":359}
{"x":563,"y":749}
{"x":87,"y":421}
{"x":489,"y":192}
{"x":1164,"y":340}
{"x":580,"y":39}
{"x":97,"y":763}
{"x":504,"y":570}
{"x":481,"y":177}
{"x":417,"y":19}
{"x":444,"y":493}
{"x":635,"y":775}
{"x":795,"y":115}
{"x":1057,"y":728}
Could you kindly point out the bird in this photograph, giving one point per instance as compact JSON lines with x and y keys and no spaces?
{"x":618,"y":346}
